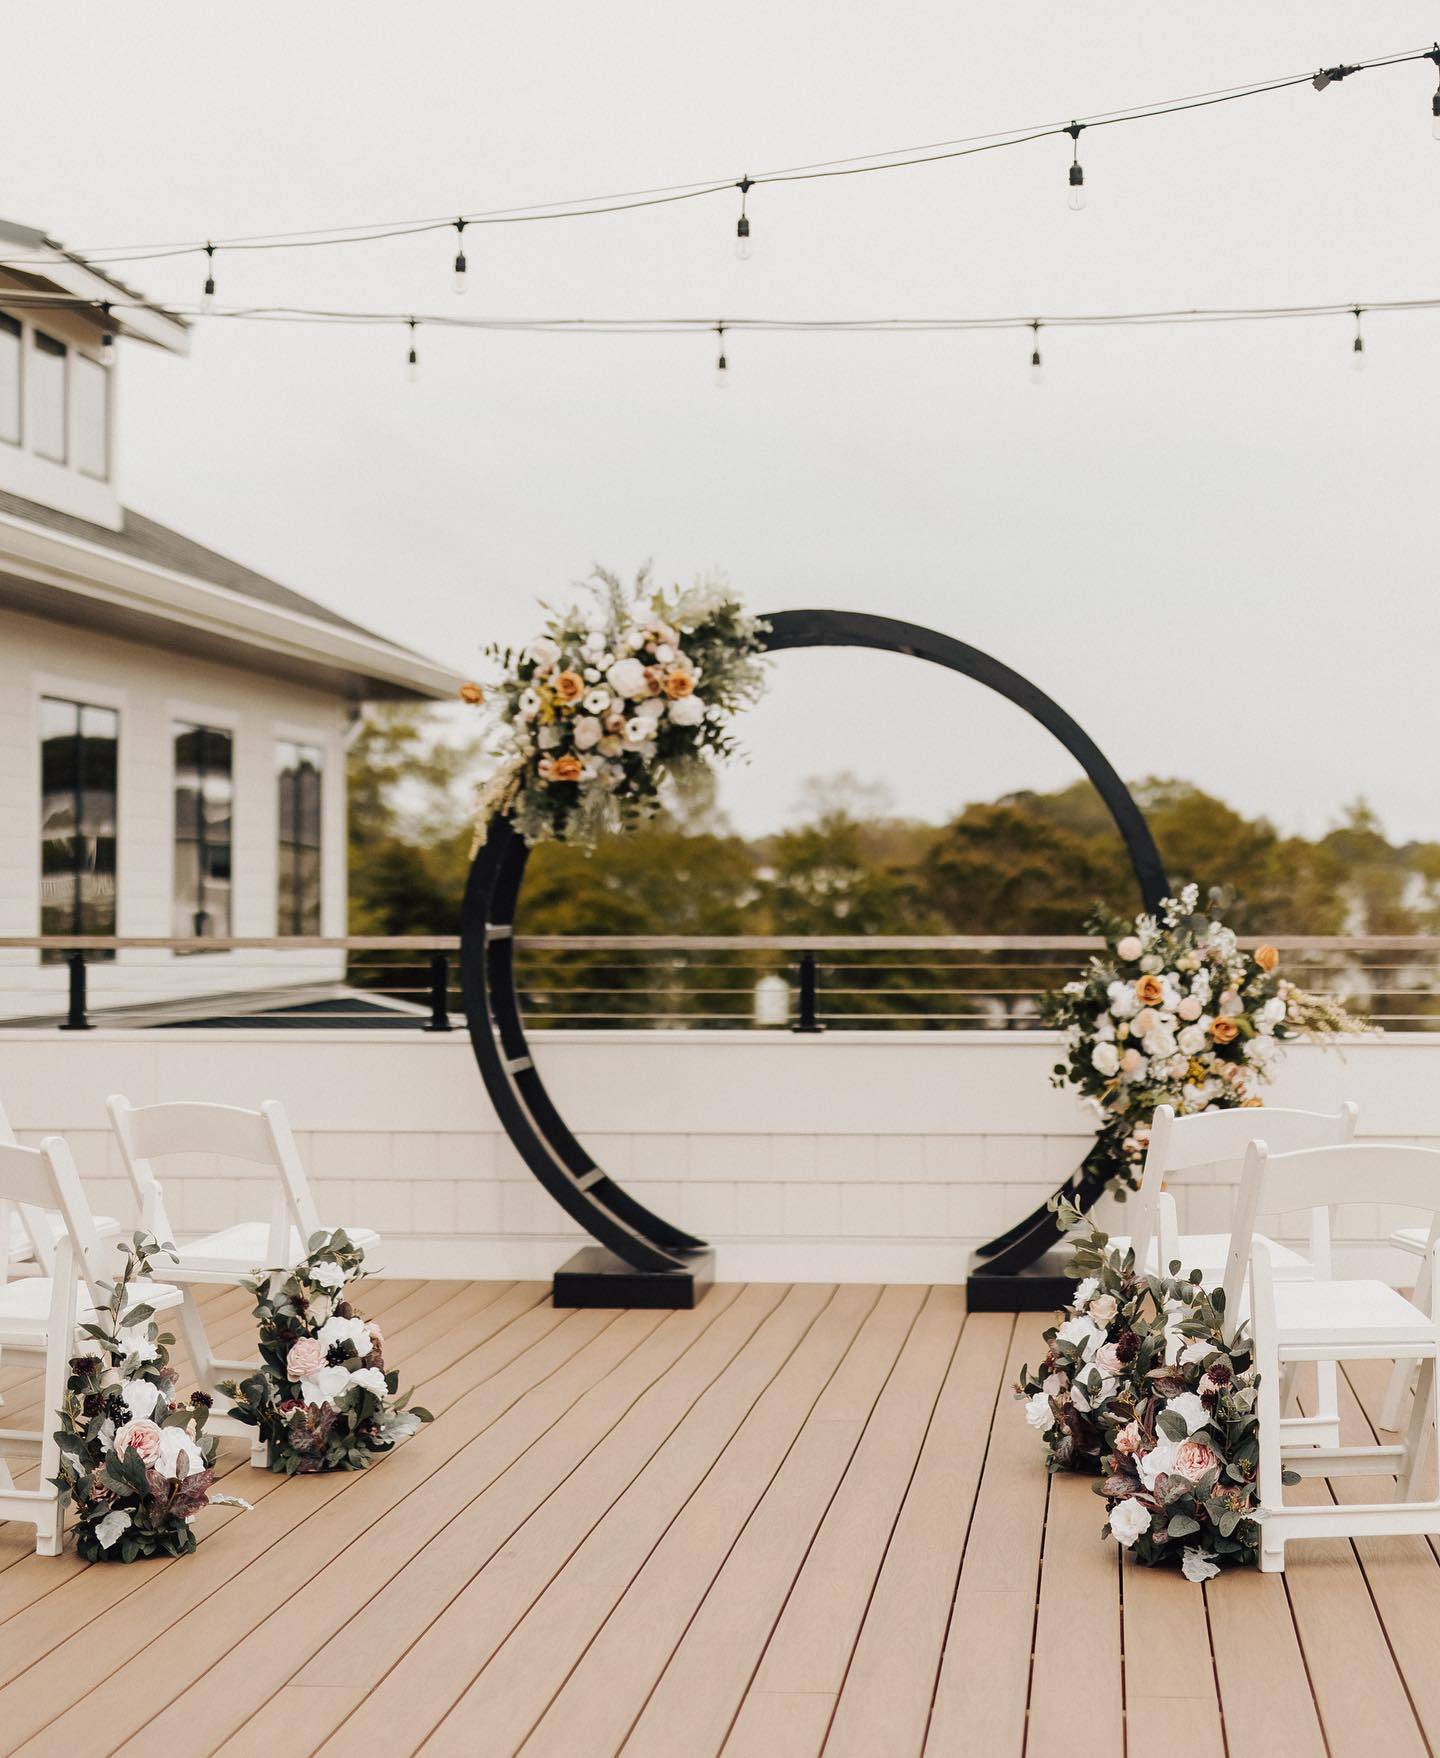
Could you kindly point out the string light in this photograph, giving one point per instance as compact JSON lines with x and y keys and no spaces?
{"x":722,"y":366}
{"x":1357,"y":347}
{"x":459,"y":256}
{"x":107,"y":338}
{"x":412,"y":360}
{"x":208,"y":298}
{"x":1037,"y":366}
{"x":1077,"y":170}
{"x":743,"y":248}
{"x":1435,"y":101}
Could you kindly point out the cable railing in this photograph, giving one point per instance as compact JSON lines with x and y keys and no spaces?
{"x":605,"y":982}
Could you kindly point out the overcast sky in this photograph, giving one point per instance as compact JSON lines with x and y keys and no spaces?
{"x":1216,"y":547}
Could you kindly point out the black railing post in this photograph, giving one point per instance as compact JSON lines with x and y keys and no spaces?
{"x":808,"y":1018}
{"x":76,"y":1020}
{"x":439,"y":993}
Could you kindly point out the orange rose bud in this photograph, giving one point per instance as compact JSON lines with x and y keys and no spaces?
{"x":1267,"y":957}
{"x":1148,"y":990}
{"x":679,"y":683}
{"x":1224,"y":1030}
{"x":568,"y":686}
{"x":566,"y":768}
{"x":472,"y":693}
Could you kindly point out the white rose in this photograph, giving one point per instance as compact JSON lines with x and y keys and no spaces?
{"x":1082,"y":1332}
{"x":651,"y":708}
{"x":1105,"y":1059}
{"x":140,"y":1398}
{"x":1189,"y":1008}
{"x":1157,"y":1463}
{"x":1085,"y":1292}
{"x":329,"y":1383}
{"x":1122,"y":1000}
{"x":687,"y":711}
{"x":1191,"y":1411}
{"x":371,"y":1379}
{"x":1197,"y":1564}
{"x":345,"y":1330}
{"x":1192,"y":1040}
{"x":664,"y":653}
{"x":179,"y":1455}
{"x":626,"y":677}
{"x":1129,"y":1520}
{"x":1038,"y":1412}
{"x":1129,"y":948}
{"x":587,"y":732}
{"x":327,"y":1275}
{"x":1273,"y":1010}
{"x":1145,"y":1021}
{"x":135,"y":1343}
{"x":1159,"y":1042}
{"x":543,"y":652}
{"x":1177,"y":1066}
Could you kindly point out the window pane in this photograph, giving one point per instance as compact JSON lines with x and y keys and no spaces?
{"x":92,"y":416}
{"x":204,"y":803}
{"x":9,"y":378}
{"x":299,"y":776}
{"x":47,"y":396}
{"x":78,"y":750}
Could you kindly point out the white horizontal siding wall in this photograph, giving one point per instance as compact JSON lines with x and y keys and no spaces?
{"x":857,"y":1156}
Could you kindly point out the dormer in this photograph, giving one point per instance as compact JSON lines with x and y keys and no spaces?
{"x":60,"y":318}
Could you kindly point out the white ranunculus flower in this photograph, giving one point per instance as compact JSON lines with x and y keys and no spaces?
{"x":1038,"y":1412}
{"x":1192,"y":1040}
{"x":1122,"y":1000}
{"x":1082,"y":1332}
{"x":596,"y":700}
{"x":1129,"y":948}
{"x":587,"y":732}
{"x":1197,"y":1564}
{"x":327,"y":1275}
{"x":1273,"y":1010}
{"x":1160,"y":1042}
{"x":1189,"y":1007}
{"x":110,"y":1528}
{"x":371,"y":1379}
{"x":345,"y":1330}
{"x":627,"y":677}
{"x":140,"y":1398}
{"x":1105,"y":1059}
{"x":1129,"y":1520}
{"x":179,"y":1455}
{"x":652,"y":708}
{"x":529,"y":704}
{"x":325,"y":1386}
{"x":637,"y":730}
{"x":1157,"y":1463}
{"x":1190,"y":1408}
{"x":543,"y":652}
{"x":687,"y":711}
{"x":1085,"y":1292}
{"x":135,"y":1343}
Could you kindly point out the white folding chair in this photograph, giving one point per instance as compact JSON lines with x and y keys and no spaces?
{"x":1329,"y":1320}
{"x":1411,"y":1240}
{"x":231,"y":1255}
{"x":40,"y":1314}
{"x":1220,"y":1139}
{"x":28,"y":1234}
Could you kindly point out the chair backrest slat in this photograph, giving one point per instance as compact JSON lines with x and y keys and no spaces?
{"x":44,"y":1180}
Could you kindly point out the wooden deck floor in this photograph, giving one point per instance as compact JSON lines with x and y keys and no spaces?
{"x":797,"y":1520}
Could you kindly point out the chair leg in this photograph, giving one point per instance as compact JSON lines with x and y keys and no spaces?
{"x":1269,"y":1482}
{"x":49,"y":1522}
{"x":1420,"y":1433}
{"x":192,"y":1328}
{"x":1327,"y":1402}
{"x":1402,"y":1378}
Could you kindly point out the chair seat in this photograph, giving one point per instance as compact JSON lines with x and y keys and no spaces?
{"x":1207,"y":1252}
{"x":25,"y":1307}
{"x":1359,"y":1313}
{"x":238,"y":1251}
{"x":1410,"y":1239}
{"x":18,"y":1244}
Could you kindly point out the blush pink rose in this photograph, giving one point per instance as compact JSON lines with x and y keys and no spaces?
{"x":141,"y":1436}
{"x":1109,"y":1360}
{"x":1193,"y":1459}
{"x":305,"y":1359}
{"x":1104,"y":1308}
{"x":1130,"y":1439}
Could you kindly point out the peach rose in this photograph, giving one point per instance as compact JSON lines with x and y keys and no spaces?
{"x":305,"y":1359}
{"x":1267,"y":957}
{"x":1130,"y":1439}
{"x":1224,"y":1030}
{"x":566,"y":768}
{"x":1103,"y":1308}
{"x":1193,"y":1459}
{"x":679,"y":683}
{"x":568,"y":686}
{"x":139,"y":1436}
{"x":1109,"y":1360}
{"x":472,"y":693}
{"x":1149,"y":989}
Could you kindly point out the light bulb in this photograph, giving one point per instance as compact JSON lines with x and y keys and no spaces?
{"x":207,"y":300}
{"x":107,"y":348}
{"x":1037,"y":370}
{"x":460,"y":272}
{"x":1435,"y":116}
{"x":744,"y":250}
{"x":412,"y":359}
{"x":1077,"y":187}
{"x":722,"y":374}
{"x":1357,"y":355}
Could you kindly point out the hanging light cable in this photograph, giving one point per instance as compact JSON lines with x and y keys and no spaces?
{"x":412,"y":360}
{"x":1037,"y":375}
{"x":722,"y":366}
{"x":460,"y":256}
{"x":1357,"y":347}
{"x":1077,"y":170}
{"x":208,"y":299}
{"x":743,"y":249}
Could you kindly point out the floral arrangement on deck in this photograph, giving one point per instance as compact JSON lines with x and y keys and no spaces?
{"x":613,"y":698}
{"x":1173,"y":1012}
{"x":136,"y":1462}
{"x":1139,"y":1386}
{"x":322,"y":1398}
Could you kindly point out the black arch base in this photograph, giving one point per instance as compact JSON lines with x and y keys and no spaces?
{"x":639,"y":1259}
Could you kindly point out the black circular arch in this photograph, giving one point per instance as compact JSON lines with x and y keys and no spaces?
{"x":492,"y":1005}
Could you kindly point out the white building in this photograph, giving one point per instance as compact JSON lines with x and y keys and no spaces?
{"x":172,"y":724}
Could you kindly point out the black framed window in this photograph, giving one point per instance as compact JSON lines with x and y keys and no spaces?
{"x":49,"y":427}
{"x":10,"y":378}
{"x":79,"y":748}
{"x":299,"y":893}
{"x":204,"y":810}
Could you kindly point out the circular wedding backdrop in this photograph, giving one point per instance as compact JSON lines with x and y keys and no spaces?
{"x":639,"y":1258}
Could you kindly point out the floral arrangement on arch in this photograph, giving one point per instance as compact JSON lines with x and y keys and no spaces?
{"x":322,"y":1398}
{"x":135,"y":1461}
{"x":1173,"y":1012}
{"x":612,"y":699}
{"x":1139,"y":1386}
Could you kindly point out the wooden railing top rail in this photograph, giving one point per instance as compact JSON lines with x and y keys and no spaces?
{"x":679,"y":942}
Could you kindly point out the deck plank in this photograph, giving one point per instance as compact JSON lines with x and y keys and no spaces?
{"x":1170,"y":1689}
